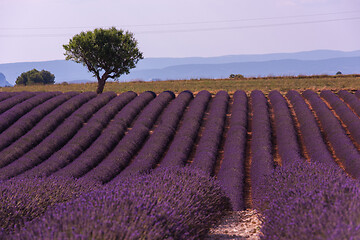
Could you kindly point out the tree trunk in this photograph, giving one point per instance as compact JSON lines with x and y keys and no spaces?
{"x":101,"y":85}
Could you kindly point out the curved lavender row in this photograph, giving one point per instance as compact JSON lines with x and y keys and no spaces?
{"x":310,"y":132}
{"x":351,"y":120}
{"x":16,"y":112}
{"x":6,"y":95}
{"x":350,"y":99}
{"x":29,"y":120}
{"x":157,"y":143}
{"x":184,"y":139}
{"x":357,"y":93}
{"x":232,"y":172}
{"x":344,"y":148}
{"x":206,"y":152}
{"x":262,"y":163}
{"x":286,"y":138}
{"x":62,"y":134}
{"x":42,"y":129}
{"x":84,"y":136}
{"x":12,"y":101}
{"x":101,"y":146}
{"x":119,"y":157}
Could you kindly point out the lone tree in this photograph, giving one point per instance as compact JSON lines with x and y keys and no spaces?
{"x":107,"y":53}
{"x":35,"y":77}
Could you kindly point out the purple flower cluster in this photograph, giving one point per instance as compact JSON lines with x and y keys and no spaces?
{"x":206,"y":152}
{"x":310,"y":201}
{"x":29,"y":120}
{"x":185,"y":137}
{"x":38,"y":133}
{"x":351,"y":120}
{"x":167,"y":204}
{"x":232,"y":172}
{"x":351,"y":100}
{"x":23,"y":199}
{"x":6,"y":95}
{"x":310,"y":132}
{"x":262,"y":162}
{"x":286,"y":138}
{"x":116,"y":160}
{"x":342,"y":145}
{"x":63,"y":133}
{"x":13,"y":100}
{"x":154,"y":148}
{"x":14,"y":113}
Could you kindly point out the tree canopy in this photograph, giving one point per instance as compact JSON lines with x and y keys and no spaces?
{"x":107,"y":53}
{"x":35,"y":77}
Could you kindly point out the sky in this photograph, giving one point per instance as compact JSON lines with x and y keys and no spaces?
{"x":35,"y":30}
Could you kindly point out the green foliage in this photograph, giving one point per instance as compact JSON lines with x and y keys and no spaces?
{"x":35,"y":77}
{"x":339,"y":73}
{"x":237,"y":76}
{"x":107,"y":53}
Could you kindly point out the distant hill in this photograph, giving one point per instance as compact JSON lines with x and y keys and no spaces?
{"x":3,"y":82}
{"x":278,"y":64}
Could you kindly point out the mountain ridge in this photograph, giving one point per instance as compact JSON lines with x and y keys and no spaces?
{"x":307,"y":63}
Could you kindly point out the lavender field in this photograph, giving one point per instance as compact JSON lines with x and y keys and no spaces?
{"x":146,"y":166}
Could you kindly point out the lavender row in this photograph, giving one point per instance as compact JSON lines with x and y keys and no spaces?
{"x":232,"y":172}
{"x":351,"y":120}
{"x":119,"y":157}
{"x":42,"y":129}
{"x":12,"y":101}
{"x":184,"y":139}
{"x":310,"y":132}
{"x":16,"y":112}
{"x":262,"y":162}
{"x":286,"y":138}
{"x":62,"y":134}
{"x":344,"y":148}
{"x":152,"y":151}
{"x":351,"y":100}
{"x":357,"y":93}
{"x":29,"y":120}
{"x":206,"y":152}
{"x":98,"y":149}
{"x":86,"y":134}
{"x":6,"y":95}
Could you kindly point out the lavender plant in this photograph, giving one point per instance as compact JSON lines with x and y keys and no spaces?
{"x":351,"y":120}
{"x":13,"y":100}
{"x":13,"y":114}
{"x":101,"y":146}
{"x":184,"y":139}
{"x":29,"y":120}
{"x":231,"y":175}
{"x":56,"y":139}
{"x":286,"y":138}
{"x":310,"y":201}
{"x":310,"y":132}
{"x":351,"y":100}
{"x":24,"y":199}
{"x":119,"y":157}
{"x":42,"y":129}
{"x":206,"y":152}
{"x":167,"y":204}
{"x":154,"y":147}
{"x":344,"y":148}
{"x":6,"y":95}
{"x":262,"y":162}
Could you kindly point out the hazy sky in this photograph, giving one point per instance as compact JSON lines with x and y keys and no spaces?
{"x":35,"y":30}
